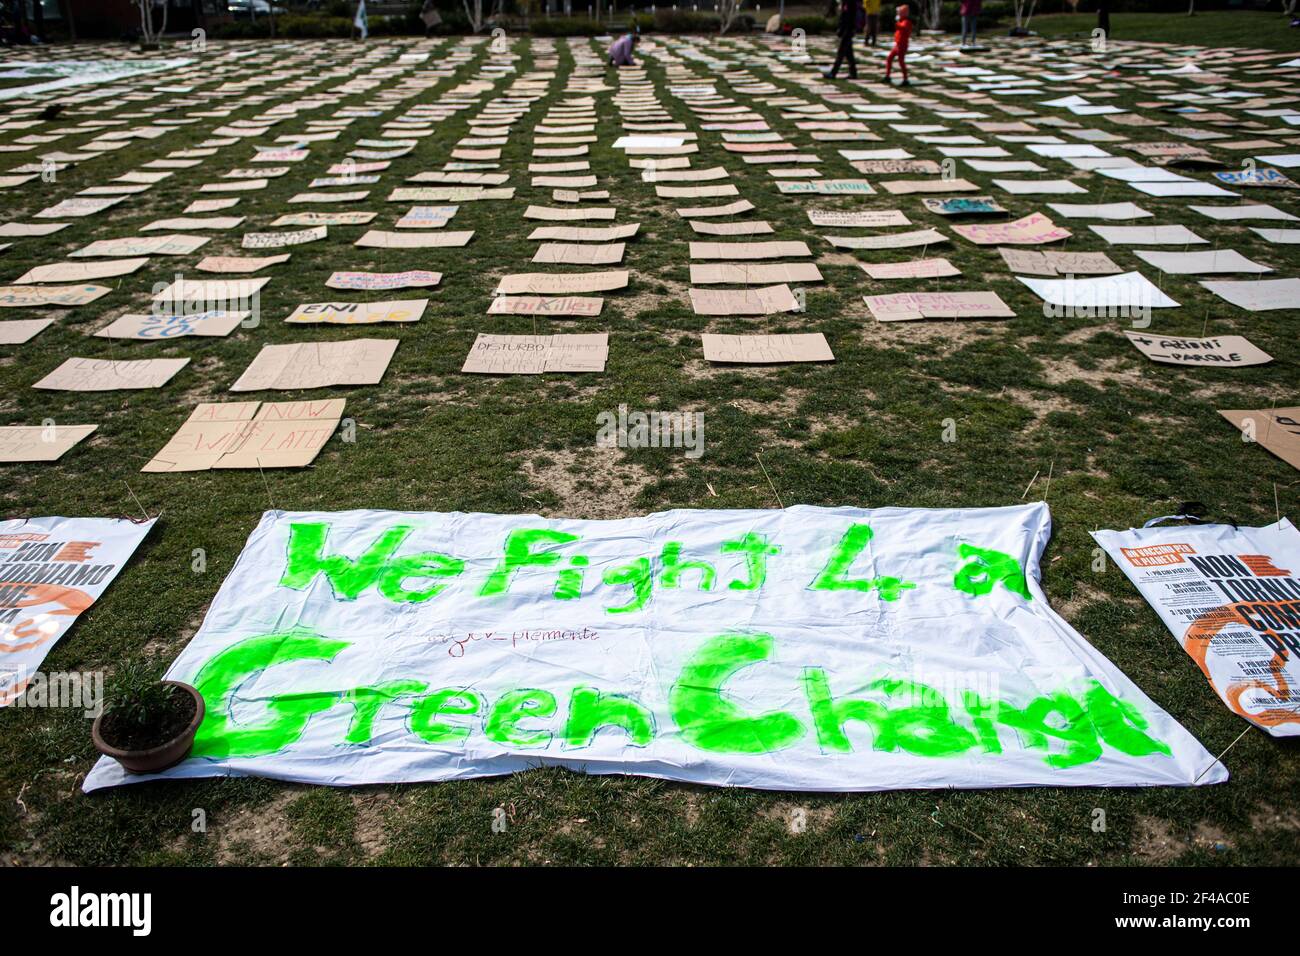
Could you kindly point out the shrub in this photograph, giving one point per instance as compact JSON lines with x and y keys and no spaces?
{"x":565,"y":27}
{"x":810,"y":24}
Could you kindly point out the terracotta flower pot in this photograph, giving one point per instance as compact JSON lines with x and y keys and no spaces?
{"x":158,"y":758}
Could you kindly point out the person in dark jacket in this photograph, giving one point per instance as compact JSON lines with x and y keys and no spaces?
{"x":850,"y":15}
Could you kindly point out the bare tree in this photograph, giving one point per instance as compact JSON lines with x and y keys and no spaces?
{"x":728,"y":11}
{"x":148,"y":36}
{"x":474,"y":10}
{"x":1024,"y":13}
{"x":932,"y":10}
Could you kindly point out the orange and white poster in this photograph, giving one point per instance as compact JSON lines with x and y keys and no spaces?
{"x":1231,"y":596}
{"x":51,"y":570}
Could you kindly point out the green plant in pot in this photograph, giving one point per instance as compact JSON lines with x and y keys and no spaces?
{"x":147,"y":724}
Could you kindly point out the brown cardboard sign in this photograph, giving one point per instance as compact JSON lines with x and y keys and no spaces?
{"x":1034,"y":229}
{"x":1219,"y":351}
{"x":80,"y":271}
{"x":754,"y":273}
{"x":239,"y":264}
{"x":764,"y":301}
{"x":558,"y":306}
{"x":863,"y":219}
{"x":171,"y":245}
{"x":912,"y":269}
{"x":379,"y":239}
{"x":250,"y":435}
{"x":160,"y":327}
{"x":1277,"y":429}
{"x":358,"y":313}
{"x":742,"y":251}
{"x":39,"y":442}
{"x":18,"y":331}
{"x":32,"y":296}
{"x":579,"y":253}
{"x":383,"y":281}
{"x":317,"y":365}
{"x":911,"y":306}
{"x":560,"y":283}
{"x":892,"y":240}
{"x":1035,"y":263}
{"x":106,"y":375}
{"x":767,"y":349}
{"x":536,"y":354}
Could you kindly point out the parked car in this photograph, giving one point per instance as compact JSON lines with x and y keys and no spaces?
{"x":252,"y":8}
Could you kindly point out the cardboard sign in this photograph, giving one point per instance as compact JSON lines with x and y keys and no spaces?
{"x":358,"y":313}
{"x":105,"y":375}
{"x":51,"y":571}
{"x":184,"y":223}
{"x":871,"y":218}
{"x":1277,"y":429}
{"x":379,"y":239}
{"x":427,"y":217}
{"x":578,"y":234}
{"x":18,"y":331}
{"x":556,"y":283}
{"x":1227,"y":594}
{"x":325,"y":219}
{"x":764,"y":301}
{"x":276,"y":240}
{"x":905,"y":187}
{"x":239,"y":264}
{"x":913,"y":269}
{"x":80,"y":271}
{"x":317,"y":365}
{"x":30,"y":297}
{"x":703,"y":212}
{"x":1032,"y":230}
{"x":19,"y":443}
{"x":826,"y":187}
{"x":1221,"y":350}
{"x":1035,"y":263}
{"x":893,"y":240}
{"x":383,"y":281}
{"x":562,"y":306}
{"x":741,"y":251}
{"x":766,"y":349}
{"x":173,"y":245}
{"x":155,"y":326}
{"x":744,"y":273}
{"x":536,"y":354}
{"x":912,"y":306}
{"x":250,"y":435}
{"x":579,"y":254}
{"x":964,"y":206}
{"x":551,"y":214}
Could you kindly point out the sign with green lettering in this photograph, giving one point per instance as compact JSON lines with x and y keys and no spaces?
{"x":800,"y":649}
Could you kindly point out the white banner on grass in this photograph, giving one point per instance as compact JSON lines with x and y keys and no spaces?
{"x":51,"y":570}
{"x":1231,"y":596}
{"x":800,"y":649}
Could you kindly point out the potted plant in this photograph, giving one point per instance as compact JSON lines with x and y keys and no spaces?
{"x":147,"y":724}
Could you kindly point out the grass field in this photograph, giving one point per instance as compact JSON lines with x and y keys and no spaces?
{"x":1211,"y":28}
{"x":1122,"y":439}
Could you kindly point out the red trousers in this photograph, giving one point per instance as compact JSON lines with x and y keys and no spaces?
{"x":896,"y":52}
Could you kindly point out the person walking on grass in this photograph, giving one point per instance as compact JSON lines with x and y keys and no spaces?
{"x":850,"y":12}
{"x":872,"y":9}
{"x":902,"y":37}
{"x":970,"y":12}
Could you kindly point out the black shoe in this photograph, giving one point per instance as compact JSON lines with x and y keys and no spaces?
{"x":905,"y":83}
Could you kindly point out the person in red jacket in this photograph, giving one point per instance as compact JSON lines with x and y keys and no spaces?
{"x":902,"y":36}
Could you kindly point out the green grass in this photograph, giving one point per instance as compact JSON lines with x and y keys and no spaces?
{"x":1211,"y":28}
{"x":1123,"y":439}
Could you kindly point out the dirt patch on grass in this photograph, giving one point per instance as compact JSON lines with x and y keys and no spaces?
{"x":590,"y":482}
{"x":262,"y":832}
{"x":1158,"y":841}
